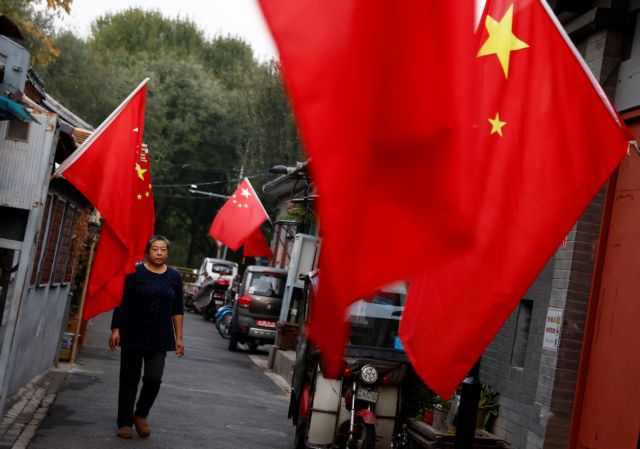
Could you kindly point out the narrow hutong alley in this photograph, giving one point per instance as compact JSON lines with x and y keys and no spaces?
{"x":210,"y":398}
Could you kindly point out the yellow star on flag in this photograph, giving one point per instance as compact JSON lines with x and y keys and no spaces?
{"x":501,"y":41}
{"x":139,"y":196}
{"x":141,"y":171}
{"x":496,"y":124}
{"x":146,"y":194}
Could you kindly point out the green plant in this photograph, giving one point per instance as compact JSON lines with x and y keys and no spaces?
{"x":489,"y":399}
{"x":441,"y":403}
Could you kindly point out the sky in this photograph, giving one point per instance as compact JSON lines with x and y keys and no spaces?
{"x":238,"y":18}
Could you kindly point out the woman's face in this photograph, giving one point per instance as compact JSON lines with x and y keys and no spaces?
{"x":158,"y":253}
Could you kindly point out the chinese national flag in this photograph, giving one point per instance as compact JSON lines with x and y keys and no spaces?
{"x":111,"y":169}
{"x":240,"y":216}
{"x":380,"y":91}
{"x":549,"y":139}
{"x":256,"y":246}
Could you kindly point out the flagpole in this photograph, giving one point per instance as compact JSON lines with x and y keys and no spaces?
{"x":94,"y":135}
{"x":259,"y":202}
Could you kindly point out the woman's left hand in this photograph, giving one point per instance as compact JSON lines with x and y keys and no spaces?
{"x":180,"y":347}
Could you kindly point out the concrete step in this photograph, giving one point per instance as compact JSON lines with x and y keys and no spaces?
{"x":283,"y":363}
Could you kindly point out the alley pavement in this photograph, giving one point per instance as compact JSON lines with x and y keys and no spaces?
{"x":211,"y":398}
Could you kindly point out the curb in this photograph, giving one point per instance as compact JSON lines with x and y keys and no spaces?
{"x":281,"y":382}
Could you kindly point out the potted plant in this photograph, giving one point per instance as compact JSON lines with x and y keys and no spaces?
{"x":427,"y":415}
{"x":487,"y":406}
{"x":441,"y":408}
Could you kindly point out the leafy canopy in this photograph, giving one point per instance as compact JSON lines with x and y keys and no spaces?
{"x":212,"y":109}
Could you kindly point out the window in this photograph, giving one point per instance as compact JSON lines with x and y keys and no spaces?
{"x":263,"y":284}
{"x":64,"y":245}
{"x":18,"y":130}
{"x":41,"y":235}
{"x":521,"y":338}
{"x":57,"y":216}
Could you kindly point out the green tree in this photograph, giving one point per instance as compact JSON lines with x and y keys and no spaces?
{"x":136,"y":31}
{"x":36,"y":24}
{"x":81,"y":79}
{"x":209,"y":102}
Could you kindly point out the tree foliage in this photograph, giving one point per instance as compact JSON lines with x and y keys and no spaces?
{"x":35,"y":21}
{"x":211,"y":108}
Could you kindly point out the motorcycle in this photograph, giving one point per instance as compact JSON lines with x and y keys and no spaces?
{"x":189,"y":296}
{"x":216,"y":299}
{"x":362,"y":408}
{"x":364,"y":382}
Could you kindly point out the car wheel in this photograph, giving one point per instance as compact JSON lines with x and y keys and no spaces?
{"x":252,"y":346}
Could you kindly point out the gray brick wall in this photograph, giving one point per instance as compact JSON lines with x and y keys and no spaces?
{"x":518,"y":385}
{"x":536,"y":400}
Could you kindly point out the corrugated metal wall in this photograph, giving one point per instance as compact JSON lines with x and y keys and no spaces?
{"x":23,"y":164}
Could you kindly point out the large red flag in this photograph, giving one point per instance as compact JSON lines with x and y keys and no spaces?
{"x":550,"y":139}
{"x":240,"y":216}
{"x":111,"y":169}
{"x":256,"y":246}
{"x":380,"y":90}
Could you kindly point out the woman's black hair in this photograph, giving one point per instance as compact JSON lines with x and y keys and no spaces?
{"x":155,"y":238}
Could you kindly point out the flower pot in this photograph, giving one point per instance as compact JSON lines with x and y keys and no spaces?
{"x":440,"y":419}
{"x":428,"y":416}
{"x":481,"y":417}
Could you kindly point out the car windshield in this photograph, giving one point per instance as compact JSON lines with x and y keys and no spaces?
{"x":217,"y":270}
{"x":263,"y":284}
{"x":375,"y":321}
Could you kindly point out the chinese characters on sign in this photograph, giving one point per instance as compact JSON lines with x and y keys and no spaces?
{"x":552,"y":328}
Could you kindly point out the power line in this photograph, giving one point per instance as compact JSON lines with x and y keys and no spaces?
{"x":208,"y":183}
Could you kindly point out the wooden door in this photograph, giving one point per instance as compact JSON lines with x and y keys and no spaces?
{"x":607,"y":415}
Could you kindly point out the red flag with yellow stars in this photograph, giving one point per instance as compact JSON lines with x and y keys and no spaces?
{"x":111,"y":169}
{"x":549,"y":138}
{"x":380,"y":91}
{"x":256,"y":246}
{"x":239,"y":217}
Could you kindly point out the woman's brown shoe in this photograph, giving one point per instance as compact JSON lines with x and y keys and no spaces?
{"x":142,"y":426}
{"x":125,"y":432}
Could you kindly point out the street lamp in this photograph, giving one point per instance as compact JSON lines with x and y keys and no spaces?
{"x":194,"y":189}
{"x":281,"y":170}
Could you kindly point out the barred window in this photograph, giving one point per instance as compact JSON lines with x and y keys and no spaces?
{"x":41,"y":236}
{"x":52,"y":242}
{"x":64,"y":245}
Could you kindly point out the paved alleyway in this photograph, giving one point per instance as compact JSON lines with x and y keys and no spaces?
{"x":210,"y":399}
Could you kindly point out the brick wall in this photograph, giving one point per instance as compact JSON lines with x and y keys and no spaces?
{"x":537,"y":398}
{"x":518,"y":384}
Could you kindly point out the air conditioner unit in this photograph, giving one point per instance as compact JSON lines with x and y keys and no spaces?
{"x":14,"y":64}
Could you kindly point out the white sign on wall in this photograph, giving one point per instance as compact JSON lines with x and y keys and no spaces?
{"x":552,"y":328}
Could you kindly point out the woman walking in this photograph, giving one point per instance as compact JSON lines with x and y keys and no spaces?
{"x":146,"y":325}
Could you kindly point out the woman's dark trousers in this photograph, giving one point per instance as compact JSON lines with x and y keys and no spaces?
{"x":131,"y":362}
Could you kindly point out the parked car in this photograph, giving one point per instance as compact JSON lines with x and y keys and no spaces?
{"x":257,"y":307}
{"x":217,"y":269}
